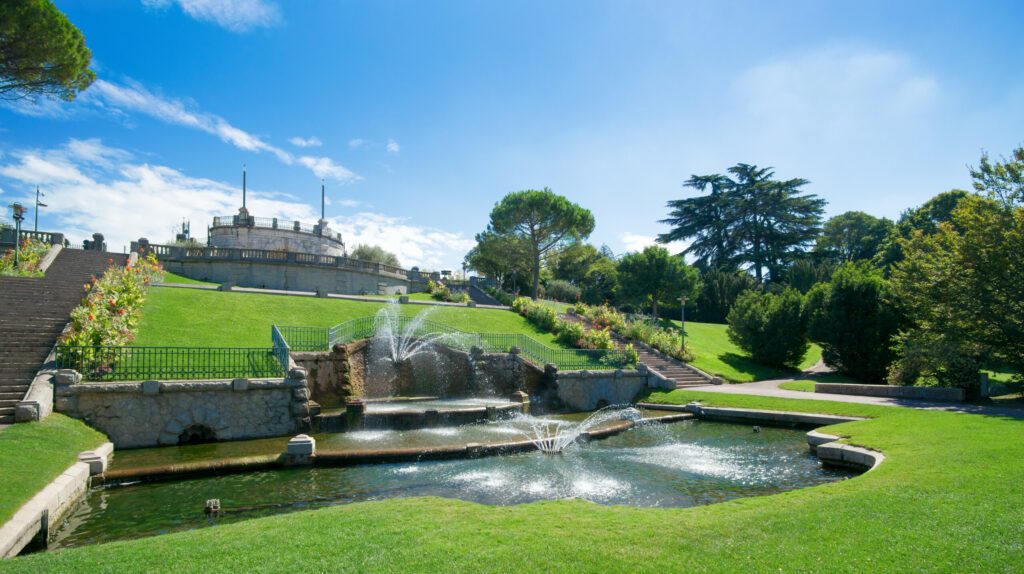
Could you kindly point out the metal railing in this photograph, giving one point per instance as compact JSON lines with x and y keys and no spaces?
{"x":170,"y":363}
{"x":323,"y":338}
{"x":271,"y":223}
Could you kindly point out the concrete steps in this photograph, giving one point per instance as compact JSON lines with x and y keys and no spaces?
{"x":33,"y":313}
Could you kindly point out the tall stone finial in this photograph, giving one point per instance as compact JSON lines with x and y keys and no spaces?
{"x":243,"y":186}
{"x":323,"y":199}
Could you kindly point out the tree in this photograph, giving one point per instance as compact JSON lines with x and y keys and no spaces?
{"x":544,"y":219}
{"x":925,"y":219}
{"x":1003,"y":180}
{"x":374,"y":253}
{"x":854,"y":319}
{"x":749,"y":218}
{"x":653,"y":275}
{"x":771,"y":328}
{"x":41,"y":52}
{"x":803,"y":274}
{"x":852,"y":236}
{"x":719,"y":289}
{"x":592,"y":270}
{"x":708,"y":221}
{"x":504,"y":258}
{"x":962,"y":290}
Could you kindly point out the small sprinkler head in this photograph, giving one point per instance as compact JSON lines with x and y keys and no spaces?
{"x":757,"y":429}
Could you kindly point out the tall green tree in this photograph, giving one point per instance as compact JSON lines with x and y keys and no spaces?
{"x":925,"y":219}
{"x":806,"y":272}
{"x":749,"y":218}
{"x":719,"y":289}
{"x":41,"y":52}
{"x":591,"y":269}
{"x":544,"y":219}
{"x":504,"y":258}
{"x":852,"y":236}
{"x":1003,"y":180}
{"x":708,"y":222}
{"x":655,"y":276}
{"x":374,"y":253}
{"x":854,"y":319}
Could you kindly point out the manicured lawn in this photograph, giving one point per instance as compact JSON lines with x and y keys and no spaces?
{"x":717,"y":355}
{"x":175,"y":278}
{"x":195,"y":318}
{"x":805,"y":386}
{"x":33,"y":454}
{"x":807,"y":383}
{"x":944,"y":500}
{"x":412,"y":297}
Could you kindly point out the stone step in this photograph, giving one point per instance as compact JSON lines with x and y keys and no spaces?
{"x":11,"y":396}
{"x":6,"y":419}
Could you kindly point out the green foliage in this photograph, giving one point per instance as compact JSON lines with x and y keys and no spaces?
{"x":597,"y":339}
{"x":654,"y":276}
{"x":925,"y":219}
{"x":719,"y":289}
{"x":933,"y":359}
{"x":544,"y":220}
{"x":661,"y":338}
{"x":805,"y":273}
{"x":852,"y":236}
{"x":375,"y":254}
{"x":542,"y":316}
{"x":569,"y":333}
{"x":603,"y":316}
{"x":30,"y":255}
{"x":561,"y":290}
{"x":772,"y":328}
{"x":502,"y":257}
{"x":748,"y":218}
{"x":1003,"y":180}
{"x":593,"y":271}
{"x":41,"y":52}
{"x":961,"y":288}
{"x":854,"y":319}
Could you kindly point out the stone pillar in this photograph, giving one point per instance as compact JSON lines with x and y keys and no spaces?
{"x":300,"y":450}
{"x":355,"y":411}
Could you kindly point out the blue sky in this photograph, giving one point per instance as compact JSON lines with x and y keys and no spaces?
{"x":420,"y":115}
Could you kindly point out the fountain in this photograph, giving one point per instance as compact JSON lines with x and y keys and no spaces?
{"x":553,"y":436}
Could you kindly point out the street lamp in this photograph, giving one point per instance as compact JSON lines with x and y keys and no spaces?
{"x":682,"y":320}
{"x":38,"y":205}
{"x":18,"y":211}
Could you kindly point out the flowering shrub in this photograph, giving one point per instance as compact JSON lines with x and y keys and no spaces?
{"x":604,"y":316}
{"x":569,"y":333}
{"x":29,"y":257}
{"x":110,"y":311}
{"x":597,"y":339}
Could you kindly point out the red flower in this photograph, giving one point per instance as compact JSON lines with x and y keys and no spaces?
{"x":92,"y":317}
{"x":110,"y":261}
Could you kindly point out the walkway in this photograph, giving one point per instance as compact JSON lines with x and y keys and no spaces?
{"x":771,"y":389}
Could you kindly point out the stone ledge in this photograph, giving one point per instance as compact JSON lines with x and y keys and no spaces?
{"x":226,"y":385}
{"x":841,"y":454}
{"x":922,"y":393}
{"x":754,"y":415}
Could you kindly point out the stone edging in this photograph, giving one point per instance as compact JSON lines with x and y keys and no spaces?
{"x":892,"y":391}
{"x":32,"y":521}
{"x":50,"y":256}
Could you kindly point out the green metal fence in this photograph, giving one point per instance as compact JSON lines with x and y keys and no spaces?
{"x":323,"y":338}
{"x":169,"y":363}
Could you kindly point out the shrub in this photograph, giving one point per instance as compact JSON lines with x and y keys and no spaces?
{"x":930,"y":361}
{"x":542,"y":316}
{"x":570,"y":333}
{"x":597,"y":339}
{"x":520,"y":304}
{"x":632,"y":356}
{"x":854,"y":321}
{"x":110,"y":311}
{"x":772,"y":328}
{"x":561,"y":290}
{"x":30,"y":256}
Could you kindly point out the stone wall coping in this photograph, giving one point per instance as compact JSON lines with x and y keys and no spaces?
{"x":924,"y":393}
{"x":754,"y":415}
{"x":136,"y":387}
{"x":601,"y":374}
{"x":55,"y":250}
{"x":835,"y":452}
{"x":51,"y":503}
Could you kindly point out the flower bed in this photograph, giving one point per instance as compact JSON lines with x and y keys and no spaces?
{"x":30,"y":256}
{"x":607,"y":318}
{"x":569,"y":333}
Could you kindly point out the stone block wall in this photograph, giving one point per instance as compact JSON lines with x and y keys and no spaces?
{"x":267,"y":275}
{"x":151,"y":413}
{"x":589,"y":390}
{"x":285,"y":238}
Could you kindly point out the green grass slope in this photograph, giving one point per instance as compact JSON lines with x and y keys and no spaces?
{"x":719,"y":356}
{"x":944,"y":500}
{"x":195,"y":318}
{"x":33,"y":454}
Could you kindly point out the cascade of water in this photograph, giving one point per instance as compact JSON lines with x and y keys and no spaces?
{"x":554,"y":436}
{"x":403,"y":342}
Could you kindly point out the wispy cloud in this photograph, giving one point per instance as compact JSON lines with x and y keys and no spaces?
{"x":393,"y":147}
{"x":356,"y":143}
{"x":637,"y":242}
{"x":94,"y":188}
{"x":234,"y":15}
{"x":136,"y":98}
{"x":306,"y":142}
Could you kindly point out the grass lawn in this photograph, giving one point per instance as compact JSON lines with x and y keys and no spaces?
{"x":944,"y":500}
{"x":807,"y":383}
{"x":175,"y":278}
{"x":412,"y":297}
{"x":719,"y":356}
{"x":805,"y":386}
{"x":33,"y":454}
{"x":195,"y":318}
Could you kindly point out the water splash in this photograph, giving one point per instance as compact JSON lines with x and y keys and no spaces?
{"x":403,"y":337}
{"x":554,"y":436}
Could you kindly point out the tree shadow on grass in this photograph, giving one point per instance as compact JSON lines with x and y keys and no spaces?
{"x":759,"y":372}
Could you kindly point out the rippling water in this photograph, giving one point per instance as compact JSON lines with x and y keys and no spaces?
{"x":672,"y":465}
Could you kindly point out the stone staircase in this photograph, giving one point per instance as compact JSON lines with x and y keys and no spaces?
{"x":481,"y":297}
{"x":33,"y":312}
{"x":680,"y":373}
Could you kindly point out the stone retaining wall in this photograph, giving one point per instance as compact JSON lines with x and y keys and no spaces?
{"x":589,"y":390}
{"x":923,"y":393}
{"x":150,"y":413}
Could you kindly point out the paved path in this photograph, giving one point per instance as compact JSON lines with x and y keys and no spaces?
{"x":771,"y":389}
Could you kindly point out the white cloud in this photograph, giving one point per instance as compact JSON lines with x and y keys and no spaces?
{"x":234,"y":15}
{"x":306,"y":142}
{"x":134,"y":97}
{"x":636,"y":242}
{"x":356,"y":143}
{"x":393,"y":146}
{"x":94,"y":188}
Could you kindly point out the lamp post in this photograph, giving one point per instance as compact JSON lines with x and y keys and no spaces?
{"x":682,"y":320}
{"x":38,"y":205}
{"x":18,"y":211}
